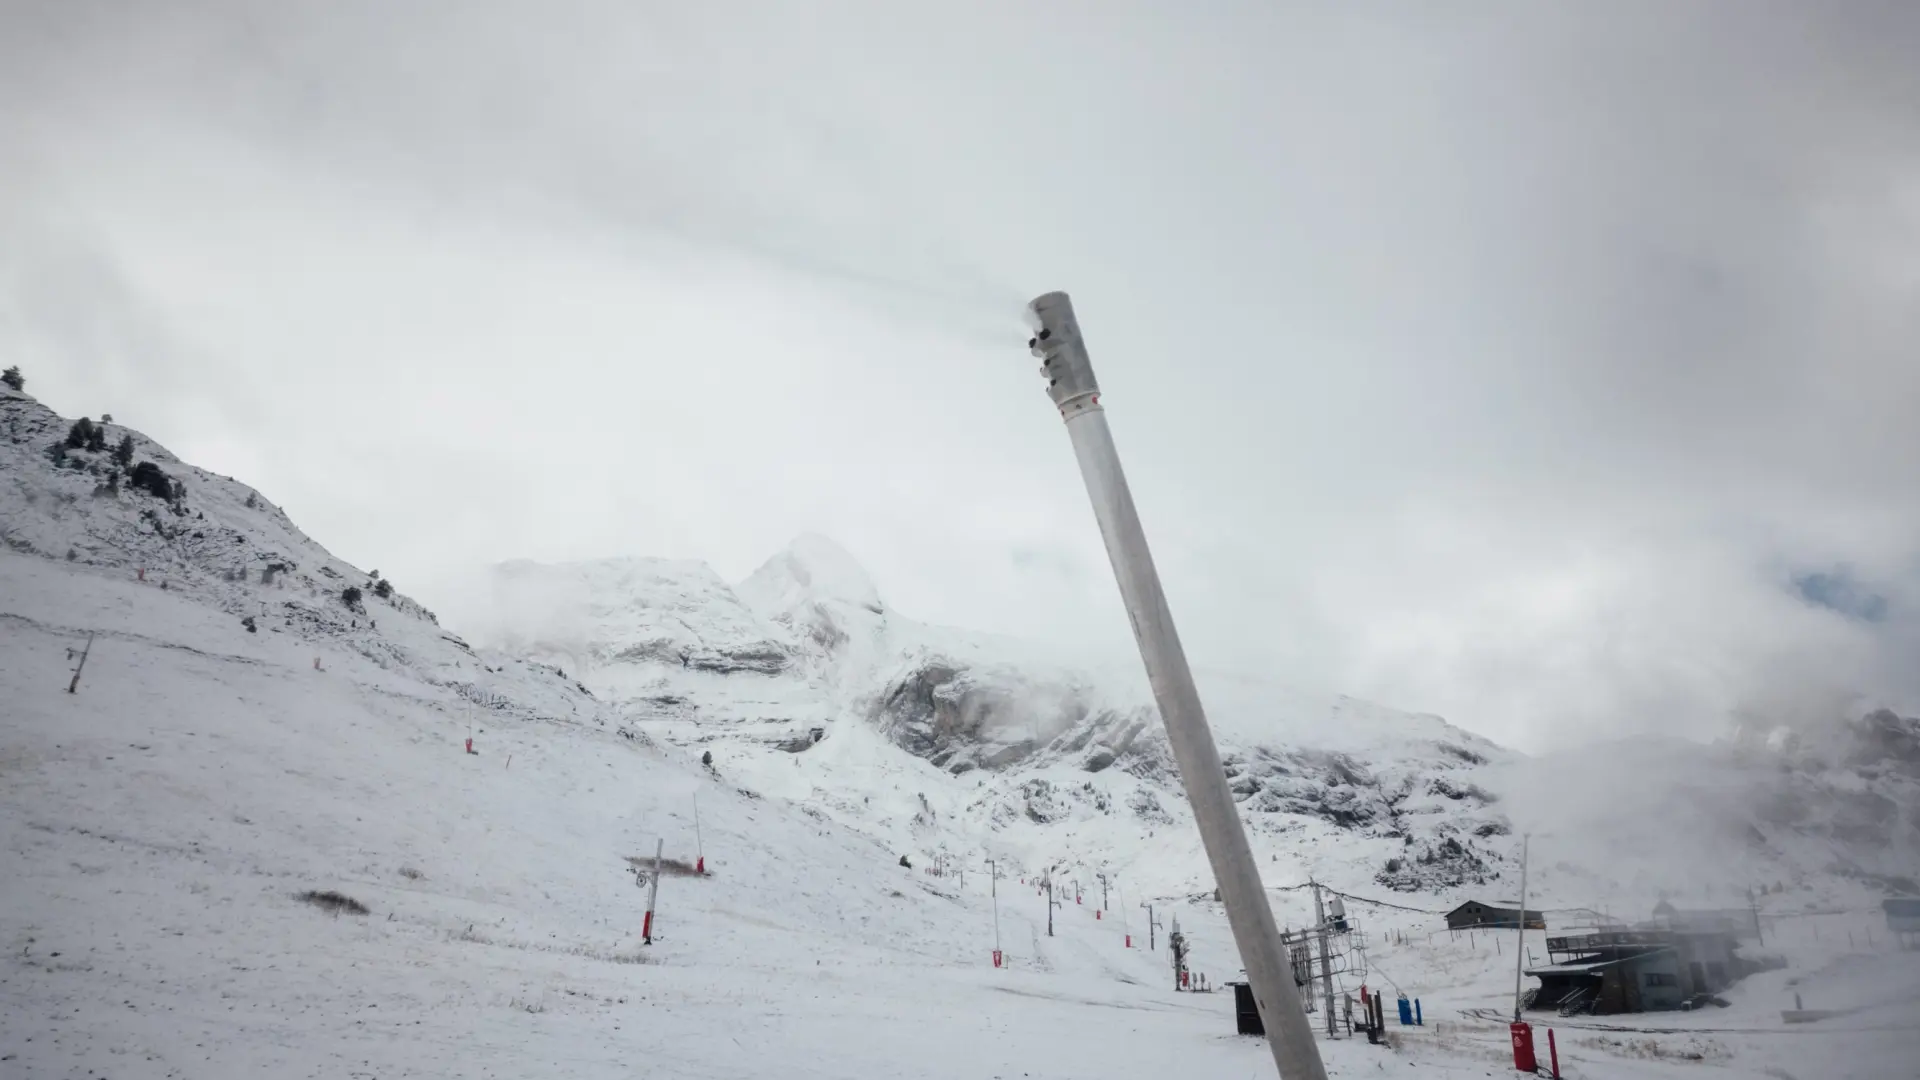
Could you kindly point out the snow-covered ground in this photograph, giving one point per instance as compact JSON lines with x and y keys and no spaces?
{"x":159,"y":825}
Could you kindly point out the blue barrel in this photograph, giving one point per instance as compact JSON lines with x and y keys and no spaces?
{"x":1406,"y":1010}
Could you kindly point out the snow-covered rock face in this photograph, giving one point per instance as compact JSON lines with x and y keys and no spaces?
{"x":803,"y":662}
{"x":812,"y":571}
{"x":962,"y":718}
{"x":635,"y":611}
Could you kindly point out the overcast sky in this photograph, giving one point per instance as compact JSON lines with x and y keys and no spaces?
{"x":1555,"y":367}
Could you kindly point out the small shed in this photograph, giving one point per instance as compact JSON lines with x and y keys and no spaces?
{"x":1475,"y":915}
{"x":1246,"y":1014}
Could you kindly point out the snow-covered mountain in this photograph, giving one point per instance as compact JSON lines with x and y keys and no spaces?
{"x":804,"y":680}
{"x":806,"y":684}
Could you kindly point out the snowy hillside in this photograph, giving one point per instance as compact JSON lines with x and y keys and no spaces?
{"x":264,"y":740}
{"x":126,"y":508}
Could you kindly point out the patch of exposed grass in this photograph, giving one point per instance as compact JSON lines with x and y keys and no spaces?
{"x":333,"y":902}
{"x":669,"y":867}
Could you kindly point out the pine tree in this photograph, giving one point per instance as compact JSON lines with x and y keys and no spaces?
{"x":13,"y":378}
{"x":147,"y":477}
{"x":124,"y":452}
{"x":79,"y":433}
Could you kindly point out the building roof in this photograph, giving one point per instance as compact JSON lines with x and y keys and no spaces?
{"x":1590,"y":967}
{"x":1491,"y":905}
{"x":1577,"y":969}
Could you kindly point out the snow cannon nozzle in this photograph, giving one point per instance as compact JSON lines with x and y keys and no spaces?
{"x":1063,"y":355}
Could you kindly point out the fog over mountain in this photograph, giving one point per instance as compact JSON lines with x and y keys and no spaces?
{"x":1549,"y":370}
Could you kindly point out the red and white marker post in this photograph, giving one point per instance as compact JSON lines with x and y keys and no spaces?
{"x":653,"y":894}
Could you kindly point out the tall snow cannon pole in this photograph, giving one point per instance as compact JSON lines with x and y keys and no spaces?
{"x":1071,"y":385}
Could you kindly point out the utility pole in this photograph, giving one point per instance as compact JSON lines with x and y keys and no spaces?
{"x":1102,"y":875}
{"x":1151,"y":923}
{"x":1326,"y":962}
{"x":1076,"y":393}
{"x":1519,"y":954}
{"x":1049,"y":884}
{"x":74,"y":686}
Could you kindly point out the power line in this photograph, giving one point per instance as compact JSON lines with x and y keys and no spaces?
{"x":1361,"y":899}
{"x":1387,"y":904}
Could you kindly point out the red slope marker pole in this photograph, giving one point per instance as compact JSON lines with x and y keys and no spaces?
{"x":653,"y":894}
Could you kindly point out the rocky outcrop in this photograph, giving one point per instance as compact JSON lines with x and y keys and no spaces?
{"x":939,"y":711}
{"x":1885,"y":739}
{"x":963,"y":718}
{"x":1445,"y":862}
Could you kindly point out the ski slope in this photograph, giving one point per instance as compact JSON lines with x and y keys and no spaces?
{"x":159,"y":823}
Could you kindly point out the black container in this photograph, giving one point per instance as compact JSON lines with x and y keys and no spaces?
{"x":1246,"y":1015}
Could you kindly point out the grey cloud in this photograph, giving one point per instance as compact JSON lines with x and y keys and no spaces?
{"x":1504,"y":362}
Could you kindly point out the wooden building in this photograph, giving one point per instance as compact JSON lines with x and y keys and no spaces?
{"x":1474,"y":915}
